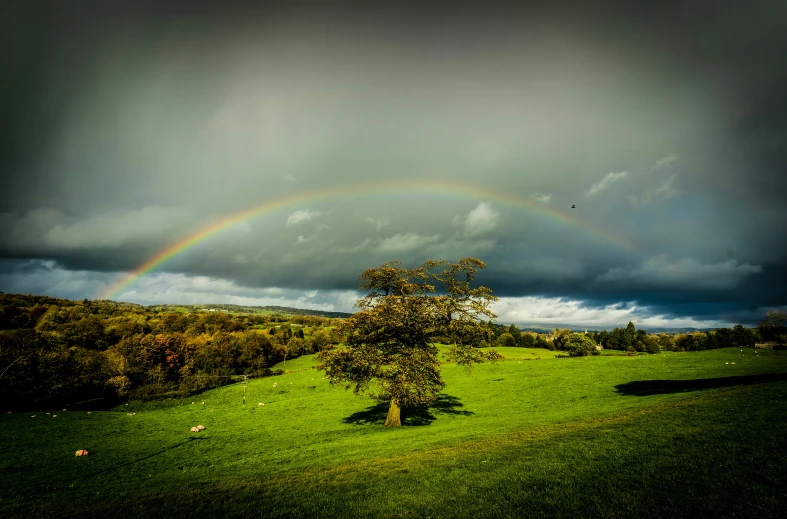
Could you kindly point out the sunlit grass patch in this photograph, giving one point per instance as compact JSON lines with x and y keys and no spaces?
{"x":571,"y":437}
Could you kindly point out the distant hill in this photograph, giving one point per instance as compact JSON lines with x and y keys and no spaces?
{"x":573,"y":327}
{"x":285,"y":310}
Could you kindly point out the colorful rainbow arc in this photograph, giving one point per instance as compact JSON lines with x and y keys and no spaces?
{"x":303,"y":197}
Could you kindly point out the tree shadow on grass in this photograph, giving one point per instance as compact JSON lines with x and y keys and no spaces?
{"x":412,"y":416}
{"x":662,"y":387}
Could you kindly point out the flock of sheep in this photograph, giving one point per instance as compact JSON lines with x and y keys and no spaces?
{"x":198,"y":428}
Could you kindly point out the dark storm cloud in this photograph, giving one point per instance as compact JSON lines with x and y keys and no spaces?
{"x":130,"y":126}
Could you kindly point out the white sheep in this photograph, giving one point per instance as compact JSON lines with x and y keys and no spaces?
{"x":201,"y":427}
{"x":81,"y":452}
{"x":194,"y":429}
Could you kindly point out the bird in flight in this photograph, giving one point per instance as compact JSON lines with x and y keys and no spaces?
{"x":574,"y":206}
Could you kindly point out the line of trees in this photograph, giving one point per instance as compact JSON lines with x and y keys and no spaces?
{"x":631,"y":339}
{"x":59,"y":352}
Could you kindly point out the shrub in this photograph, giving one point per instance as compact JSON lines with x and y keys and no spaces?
{"x":506,"y":339}
{"x":526,"y":340}
{"x":579,"y":344}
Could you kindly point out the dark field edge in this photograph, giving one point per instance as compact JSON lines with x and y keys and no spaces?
{"x":721,"y":453}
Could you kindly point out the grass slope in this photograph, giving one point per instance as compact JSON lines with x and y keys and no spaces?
{"x":676,"y":434}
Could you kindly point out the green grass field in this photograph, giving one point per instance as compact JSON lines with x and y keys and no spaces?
{"x":669,"y":435}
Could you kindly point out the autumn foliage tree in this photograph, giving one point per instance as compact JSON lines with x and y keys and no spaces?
{"x":389,"y":349}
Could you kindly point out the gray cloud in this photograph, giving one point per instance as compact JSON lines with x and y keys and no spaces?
{"x":114,"y":149}
{"x":686,"y":273}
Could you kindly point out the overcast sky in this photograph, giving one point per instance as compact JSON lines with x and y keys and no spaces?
{"x":128,"y":128}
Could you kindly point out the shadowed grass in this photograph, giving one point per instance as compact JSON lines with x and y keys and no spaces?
{"x":662,"y":387}
{"x":413,"y":416}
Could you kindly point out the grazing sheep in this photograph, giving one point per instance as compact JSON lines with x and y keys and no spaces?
{"x":49,"y":413}
{"x":89,"y":412}
{"x":194,"y":429}
{"x":201,"y":427}
{"x":54,"y":416}
{"x":33,"y":416}
{"x":82,"y":452}
{"x":260,"y":403}
{"x":64,"y":410}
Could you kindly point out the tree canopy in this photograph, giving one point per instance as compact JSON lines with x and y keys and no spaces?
{"x":389,"y":349}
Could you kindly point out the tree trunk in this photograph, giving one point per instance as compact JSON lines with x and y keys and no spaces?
{"x":394,"y":415}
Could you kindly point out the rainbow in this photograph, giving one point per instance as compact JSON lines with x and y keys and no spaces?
{"x":400,"y":186}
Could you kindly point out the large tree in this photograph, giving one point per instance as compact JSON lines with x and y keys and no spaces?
{"x":389,"y":349}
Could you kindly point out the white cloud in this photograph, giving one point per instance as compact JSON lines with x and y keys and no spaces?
{"x":45,"y":277}
{"x":666,"y":189}
{"x":659,"y":272}
{"x":379,"y":223}
{"x":605,"y":182}
{"x":357,"y":248}
{"x":480,"y":220}
{"x":664,"y":162}
{"x":542,"y":198}
{"x":303,"y":215}
{"x":164,"y":287}
{"x":645,"y":199}
{"x":548,"y":312}
{"x":406,"y":242}
{"x":302,"y":239}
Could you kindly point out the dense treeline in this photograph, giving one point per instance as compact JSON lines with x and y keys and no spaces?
{"x":630,"y":339}
{"x":59,"y":352}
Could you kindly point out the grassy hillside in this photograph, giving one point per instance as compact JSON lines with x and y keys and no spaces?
{"x":675,"y":434}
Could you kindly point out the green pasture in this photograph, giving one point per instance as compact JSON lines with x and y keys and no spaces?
{"x":668,"y":435}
